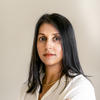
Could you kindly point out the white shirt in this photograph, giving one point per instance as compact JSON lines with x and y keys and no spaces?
{"x":79,"y":88}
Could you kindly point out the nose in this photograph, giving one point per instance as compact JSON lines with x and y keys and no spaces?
{"x":48,"y":44}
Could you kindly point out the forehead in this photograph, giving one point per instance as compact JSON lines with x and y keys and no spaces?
{"x":48,"y":29}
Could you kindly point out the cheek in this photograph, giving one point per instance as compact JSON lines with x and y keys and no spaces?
{"x":59,"y":50}
{"x":38,"y":48}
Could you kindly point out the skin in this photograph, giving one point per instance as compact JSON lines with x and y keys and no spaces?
{"x":49,"y":41}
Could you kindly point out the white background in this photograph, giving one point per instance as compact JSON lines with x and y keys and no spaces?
{"x":17,"y":23}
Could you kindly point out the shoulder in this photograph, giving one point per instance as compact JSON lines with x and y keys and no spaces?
{"x":80,"y":83}
{"x":79,"y":87}
{"x":80,"y":80}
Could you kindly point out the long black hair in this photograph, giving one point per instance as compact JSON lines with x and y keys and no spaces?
{"x":70,"y":61}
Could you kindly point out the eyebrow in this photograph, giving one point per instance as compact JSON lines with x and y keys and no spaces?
{"x":52,"y":34}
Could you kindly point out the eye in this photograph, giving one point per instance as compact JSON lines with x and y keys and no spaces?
{"x":56,"y":38}
{"x":42,"y":38}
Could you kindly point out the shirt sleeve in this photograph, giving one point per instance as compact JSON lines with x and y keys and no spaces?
{"x":82,"y":92}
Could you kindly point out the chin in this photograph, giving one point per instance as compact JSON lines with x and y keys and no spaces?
{"x":49,"y":63}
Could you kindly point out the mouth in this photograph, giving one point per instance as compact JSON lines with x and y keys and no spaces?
{"x":48,"y":55}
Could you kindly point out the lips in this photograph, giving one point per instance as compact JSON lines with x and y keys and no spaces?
{"x":49,"y":55}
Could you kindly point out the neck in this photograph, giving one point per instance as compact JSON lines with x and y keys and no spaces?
{"x":52,"y":73}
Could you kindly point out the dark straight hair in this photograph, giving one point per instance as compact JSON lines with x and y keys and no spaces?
{"x":70,"y":63}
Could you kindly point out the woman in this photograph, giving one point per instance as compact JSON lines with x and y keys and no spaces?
{"x":55,"y":71}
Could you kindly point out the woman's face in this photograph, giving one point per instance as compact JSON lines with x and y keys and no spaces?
{"x":49,"y":45}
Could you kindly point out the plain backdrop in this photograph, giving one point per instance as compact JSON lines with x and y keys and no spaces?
{"x":17,"y":24}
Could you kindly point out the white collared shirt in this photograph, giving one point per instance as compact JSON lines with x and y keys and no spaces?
{"x":79,"y":88}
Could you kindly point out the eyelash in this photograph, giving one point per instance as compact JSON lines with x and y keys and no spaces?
{"x":57,"y":38}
